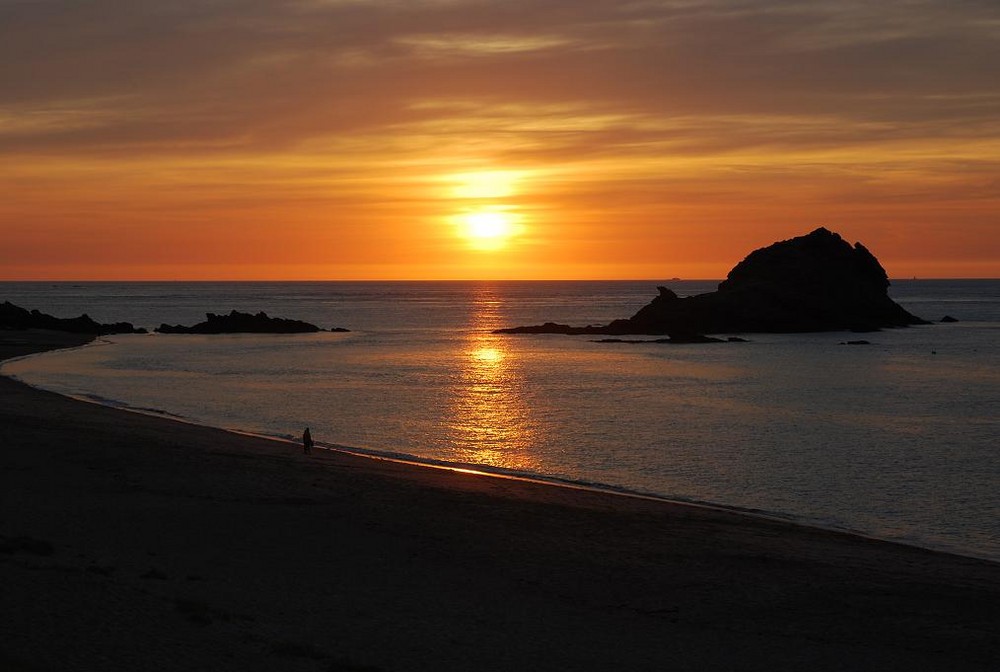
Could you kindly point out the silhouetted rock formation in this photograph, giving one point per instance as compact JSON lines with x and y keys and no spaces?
{"x":948,"y":319}
{"x":683,"y":339}
{"x":243,"y":323}
{"x":15,"y":317}
{"x":816,"y":282}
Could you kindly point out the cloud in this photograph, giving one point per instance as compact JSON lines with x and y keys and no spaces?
{"x":257,"y":73}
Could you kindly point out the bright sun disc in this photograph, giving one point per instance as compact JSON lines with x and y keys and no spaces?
{"x":488,"y":229}
{"x":488,"y":225}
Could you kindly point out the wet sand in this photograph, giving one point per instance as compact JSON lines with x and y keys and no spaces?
{"x":130,"y":542}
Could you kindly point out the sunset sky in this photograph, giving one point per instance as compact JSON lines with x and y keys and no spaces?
{"x":454,"y":139}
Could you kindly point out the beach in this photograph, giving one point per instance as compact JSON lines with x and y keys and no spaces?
{"x":132,"y":542}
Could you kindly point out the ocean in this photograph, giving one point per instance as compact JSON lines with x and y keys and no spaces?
{"x":897,"y":439}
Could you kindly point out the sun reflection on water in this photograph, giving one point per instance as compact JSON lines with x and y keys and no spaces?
{"x":488,"y":356}
{"x":491,"y":421}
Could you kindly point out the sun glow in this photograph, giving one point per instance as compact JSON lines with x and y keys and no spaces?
{"x":485,"y":184}
{"x":488,"y":229}
{"x":487,"y":219}
{"x":488,"y":224}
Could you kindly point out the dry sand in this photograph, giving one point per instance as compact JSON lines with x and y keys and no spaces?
{"x":130,"y":542}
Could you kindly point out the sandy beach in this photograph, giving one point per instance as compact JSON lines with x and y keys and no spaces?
{"x":130,"y":542}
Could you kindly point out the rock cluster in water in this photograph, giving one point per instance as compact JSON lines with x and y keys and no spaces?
{"x":243,"y":323}
{"x":816,"y":282}
{"x":14,"y":317}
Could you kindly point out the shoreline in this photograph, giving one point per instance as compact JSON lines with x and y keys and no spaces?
{"x":148,"y":543}
{"x":486,"y":471}
{"x":497,"y":472}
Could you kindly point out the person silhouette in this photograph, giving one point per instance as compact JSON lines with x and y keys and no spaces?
{"x":307,"y":441}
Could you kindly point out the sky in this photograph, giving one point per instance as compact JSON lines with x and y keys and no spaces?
{"x":492,"y":139}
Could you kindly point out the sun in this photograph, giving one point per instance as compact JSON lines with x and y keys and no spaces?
{"x":487,"y":217}
{"x":488,"y":228}
{"x":488,"y":225}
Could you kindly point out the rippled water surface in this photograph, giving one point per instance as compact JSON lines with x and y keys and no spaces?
{"x":897,"y":439}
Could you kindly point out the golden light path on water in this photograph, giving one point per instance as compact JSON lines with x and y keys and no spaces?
{"x":491,"y":422}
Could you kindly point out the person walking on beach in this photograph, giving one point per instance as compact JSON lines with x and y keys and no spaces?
{"x":307,"y":442}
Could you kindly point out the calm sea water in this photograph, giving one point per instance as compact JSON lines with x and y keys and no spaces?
{"x":897,"y":439}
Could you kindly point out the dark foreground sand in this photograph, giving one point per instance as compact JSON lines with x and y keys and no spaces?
{"x":136,"y":543}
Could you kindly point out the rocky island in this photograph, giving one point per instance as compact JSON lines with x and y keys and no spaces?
{"x":816,"y":282}
{"x":244,"y":323}
{"x":14,"y":317}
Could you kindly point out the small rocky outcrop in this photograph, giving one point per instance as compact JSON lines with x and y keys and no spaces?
{"x":14,"y":317}
{"x":686,"y":339}
{"x":948,"y":319}
{"x":816,"y":282}
{"x":243,"y":323}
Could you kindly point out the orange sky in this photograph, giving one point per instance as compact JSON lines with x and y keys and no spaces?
{"x":350,"y":139}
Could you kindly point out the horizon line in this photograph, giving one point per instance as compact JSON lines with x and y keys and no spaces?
{"x":442,"y":280}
